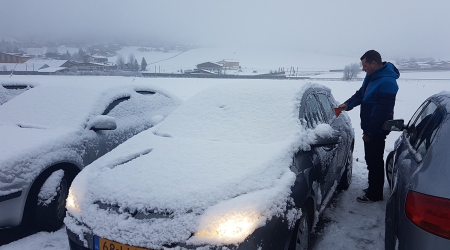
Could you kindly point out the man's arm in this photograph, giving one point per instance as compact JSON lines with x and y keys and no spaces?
{"x":353,"y":101}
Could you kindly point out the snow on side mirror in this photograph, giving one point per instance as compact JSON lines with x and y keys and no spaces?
{"x":325,"y":135}
{"x":102,"y":122}
{"x":394,"y":125}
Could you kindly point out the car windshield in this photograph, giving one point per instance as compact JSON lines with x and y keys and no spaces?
{"x":244,"y":112}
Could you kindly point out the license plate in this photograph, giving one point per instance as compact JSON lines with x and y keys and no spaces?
{"x":104,"y":244}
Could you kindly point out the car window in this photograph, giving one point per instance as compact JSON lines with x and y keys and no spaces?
{"x":114,"y":104}
{"x":429,"y":132}
{"x":313,"y":112}
{"x":327,"y":106}
{"x":419,"y":121}
{"x":418,"y":112}
{"x":7,"y":92}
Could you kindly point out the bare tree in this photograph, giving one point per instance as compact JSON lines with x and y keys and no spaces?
{"x":120,"y":63}
{"x":131,"y":59}
{"x":351,"y":71}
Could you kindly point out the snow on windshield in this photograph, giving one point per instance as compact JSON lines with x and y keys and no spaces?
{"x":260,"y":113}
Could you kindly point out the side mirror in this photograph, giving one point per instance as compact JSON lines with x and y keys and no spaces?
{"x":102,"y":122}
{"x":326,"y":139}
{"x":394,"y":125}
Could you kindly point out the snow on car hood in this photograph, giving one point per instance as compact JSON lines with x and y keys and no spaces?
{"x":189,"y":174}
{"x":22,"y":150}
{"x":175,"y":176}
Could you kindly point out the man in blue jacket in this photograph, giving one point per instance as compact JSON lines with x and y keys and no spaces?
{"x":377,"y":99}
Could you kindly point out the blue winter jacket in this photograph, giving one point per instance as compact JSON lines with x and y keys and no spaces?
{"x":377,"y":99}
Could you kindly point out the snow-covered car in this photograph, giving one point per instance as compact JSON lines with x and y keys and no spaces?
{"x":418,"y":210}
{"x":52,"y":131}
{"x":9,"y":90}
{"x":246,"y":165}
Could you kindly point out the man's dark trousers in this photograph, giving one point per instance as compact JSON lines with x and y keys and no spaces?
{"x":374,"y":150}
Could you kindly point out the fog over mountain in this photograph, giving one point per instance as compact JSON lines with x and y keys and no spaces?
{"x":402,"y":28}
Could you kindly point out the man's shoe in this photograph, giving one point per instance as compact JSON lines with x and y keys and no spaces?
{"x":364,"y":199}
{"x":365,"y":190}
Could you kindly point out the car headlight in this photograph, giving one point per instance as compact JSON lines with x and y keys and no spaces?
{"x":228,"y":228}
{"x":72,"y":203}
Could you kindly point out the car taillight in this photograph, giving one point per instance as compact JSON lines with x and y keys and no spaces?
{"x":430,"y":213}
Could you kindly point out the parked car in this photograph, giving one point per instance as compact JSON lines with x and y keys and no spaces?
{"x":246,"y":165}
{"x":418,"y":210}
{"x":9,"y":90}
{"x":50,"y":132}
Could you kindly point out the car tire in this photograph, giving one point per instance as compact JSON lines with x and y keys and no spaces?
{"x":346,"y":178}
{"x":390,"y":168}
{"x":50,"y":217}
{"x":390,"y":240}
{"x":302,"y":231}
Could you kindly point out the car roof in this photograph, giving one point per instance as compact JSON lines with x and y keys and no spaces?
{"x":66,"y":103}
{"x":442,"y":99}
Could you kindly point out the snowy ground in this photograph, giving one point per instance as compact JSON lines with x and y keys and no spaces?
{"x":345,"y":224}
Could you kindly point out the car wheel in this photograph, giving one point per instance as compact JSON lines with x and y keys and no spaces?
{"x":390,"y":240}
{"x":49,"y":217}
{"x":390,"y":168}
{"x":300,"y":238}
{"x":346,"y":178}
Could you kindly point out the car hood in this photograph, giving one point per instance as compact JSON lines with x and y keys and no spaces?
{"x":27,"y":149}
{"x":163,"y":173}
{"x":175,"y":179}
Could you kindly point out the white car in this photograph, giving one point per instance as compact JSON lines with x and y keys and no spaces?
{"x":52,"y":131}
{"x":245,"y":165}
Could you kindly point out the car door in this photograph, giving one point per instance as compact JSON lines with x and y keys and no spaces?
{"x":323,"y":152}
{"x":417,"y":139}
{"x":100,"y":142}
{"x":338,"y":152}
{"x":134,"y":114}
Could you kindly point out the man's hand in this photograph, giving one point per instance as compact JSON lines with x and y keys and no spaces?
{"x":366,"y":137}
{"x":343,"y":106}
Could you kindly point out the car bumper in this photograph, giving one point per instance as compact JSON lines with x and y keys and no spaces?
{"x":12,"y":206}
{"x":271,"y":237}
{"x":414,"y":237}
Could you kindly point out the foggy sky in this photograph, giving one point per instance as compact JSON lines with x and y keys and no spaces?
{"x":396,"y":28}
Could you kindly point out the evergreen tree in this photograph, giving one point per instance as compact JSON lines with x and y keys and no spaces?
{"x":76,"y":57}
{"x":135,"y":65}
{"x":81,"y":53}
{"x":143,"y":64}
{"x":67,"y":56}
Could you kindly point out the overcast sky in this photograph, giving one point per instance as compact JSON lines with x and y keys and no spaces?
{"x":396,"y":28}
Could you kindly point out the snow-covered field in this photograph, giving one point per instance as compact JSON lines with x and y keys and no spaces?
{"x":348,"y":224}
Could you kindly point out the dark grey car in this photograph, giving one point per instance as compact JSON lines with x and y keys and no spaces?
{"x":418,"y":210}
{"x":261,"y":132}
